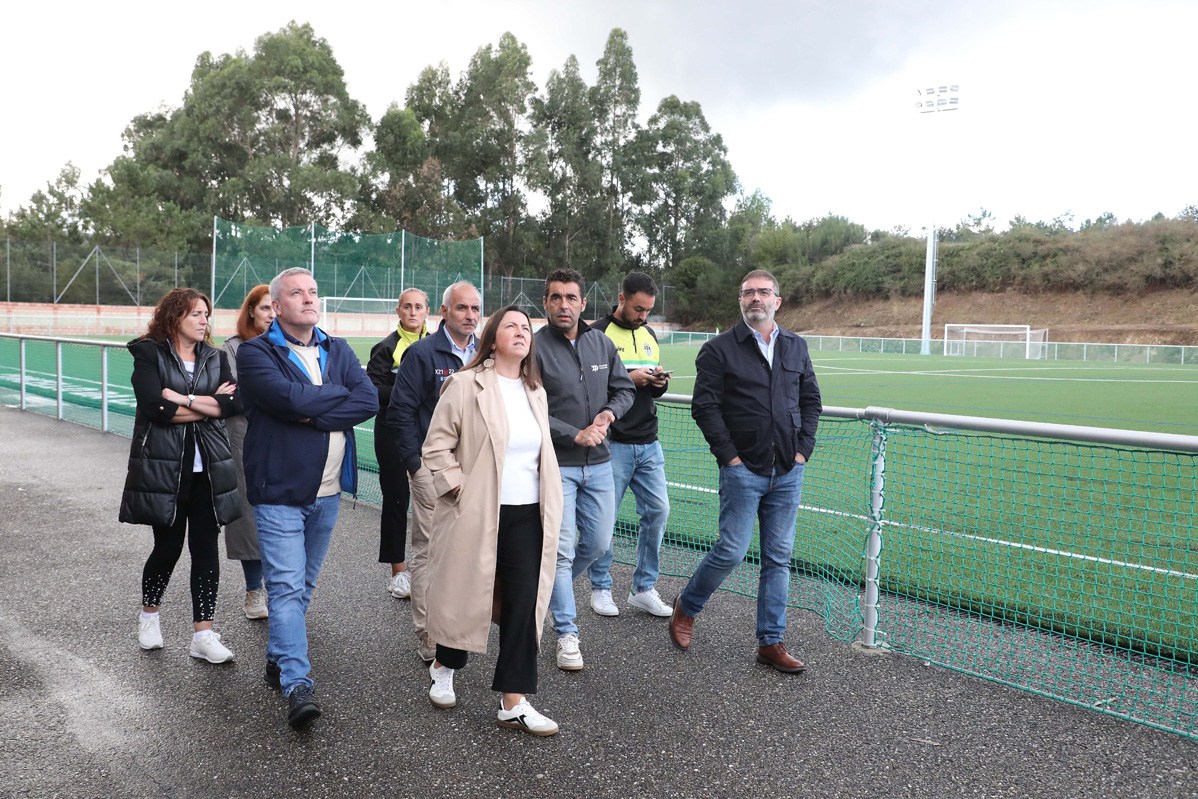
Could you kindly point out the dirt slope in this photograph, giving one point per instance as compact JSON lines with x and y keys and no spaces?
{"x":1166,"y":317}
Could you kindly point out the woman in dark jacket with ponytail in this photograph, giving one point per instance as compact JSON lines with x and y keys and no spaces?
{"x":181,"y":477}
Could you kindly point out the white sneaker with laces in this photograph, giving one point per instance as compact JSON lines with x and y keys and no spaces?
{"x":601,"y":603}
{"x":569,"y":655}
{"x":650,"y":601}
{"x":525,"y":717}
{"x":255,"y":604}
{"x":149,"y":632}
{"x":441,"y":692}
{"x":400,"y":586}
{"x":209,"y":648}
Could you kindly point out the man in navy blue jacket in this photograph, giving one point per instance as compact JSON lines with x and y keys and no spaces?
{"x":757,"y":403}
{"x":425,"y":366}
{"x":303,"y":393}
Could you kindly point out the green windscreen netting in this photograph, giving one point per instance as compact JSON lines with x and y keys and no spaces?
{"x":346,"y":265}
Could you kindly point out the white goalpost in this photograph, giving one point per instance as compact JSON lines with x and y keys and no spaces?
{"x":995,"y":341}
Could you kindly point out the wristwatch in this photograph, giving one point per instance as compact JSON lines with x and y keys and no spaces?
{"x":190,"y":399}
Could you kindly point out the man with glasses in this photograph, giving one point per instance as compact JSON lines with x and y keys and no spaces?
{"x":757,"y":403}
{"x":588,"y":388}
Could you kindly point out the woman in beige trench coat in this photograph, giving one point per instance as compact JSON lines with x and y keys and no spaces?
{"x":493,"y":543}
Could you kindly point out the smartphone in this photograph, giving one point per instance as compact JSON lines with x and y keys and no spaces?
{"x":665,"y":372}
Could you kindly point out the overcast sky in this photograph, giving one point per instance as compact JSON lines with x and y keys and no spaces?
{"x":1081,"y":107}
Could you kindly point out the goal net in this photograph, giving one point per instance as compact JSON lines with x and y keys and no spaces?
{"x":995,"y":341}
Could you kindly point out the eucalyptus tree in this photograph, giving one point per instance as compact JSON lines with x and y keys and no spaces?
{"x":684,"y":178}
{"x":616,"y":100}
{"x":565,"y":169}
{"x":261,"y":137}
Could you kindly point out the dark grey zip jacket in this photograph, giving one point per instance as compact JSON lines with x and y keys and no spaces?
{"x":581,"y":379}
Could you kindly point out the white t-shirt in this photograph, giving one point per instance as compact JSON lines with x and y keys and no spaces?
{"x":330,"y":481}
{"x":521,"y":465}
{"x":198,"y":463}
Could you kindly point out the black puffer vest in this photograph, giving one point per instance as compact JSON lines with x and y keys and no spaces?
{"x":156,"y":454}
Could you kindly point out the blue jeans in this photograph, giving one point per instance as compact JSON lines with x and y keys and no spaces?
{"x":293,"y":541}
{"x":588,"y":518}
{"x":774,"y":501}
{"x":643,"y":468}
{"x":253,"y":574}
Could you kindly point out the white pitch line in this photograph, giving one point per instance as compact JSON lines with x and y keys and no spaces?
{"x":965,"y":373}
{"x":983,"y":539}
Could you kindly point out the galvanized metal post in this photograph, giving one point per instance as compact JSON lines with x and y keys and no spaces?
{"x":212,"y":294}
{"x":23,"y":374}
{"x":58,"y":376}
{"x":873,"y":546}
{"x":104,"y":389}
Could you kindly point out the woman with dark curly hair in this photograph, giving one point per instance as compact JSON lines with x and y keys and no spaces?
{"x":241,"y":536}
{"x":181,"y":480}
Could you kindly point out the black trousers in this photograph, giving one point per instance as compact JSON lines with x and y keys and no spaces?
{"x":393,"y":483}
{"x":195,"y":521}
{"x":517,"y":574}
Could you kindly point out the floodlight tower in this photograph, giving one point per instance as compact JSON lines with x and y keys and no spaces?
{"x":933,"y":100}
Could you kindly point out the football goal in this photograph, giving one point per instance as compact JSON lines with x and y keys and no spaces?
{"x":995,"y":341}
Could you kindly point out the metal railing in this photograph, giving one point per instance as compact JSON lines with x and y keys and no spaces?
{"x":1096,"y":352}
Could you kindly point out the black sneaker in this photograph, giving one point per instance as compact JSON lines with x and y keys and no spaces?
{"x":302,"y":708}
{"x":273,"y":675}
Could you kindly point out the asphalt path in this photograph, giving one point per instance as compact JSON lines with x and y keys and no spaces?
{"x":85,"y":713}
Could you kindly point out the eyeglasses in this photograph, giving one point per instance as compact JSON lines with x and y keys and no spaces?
{"x":748,"y":294}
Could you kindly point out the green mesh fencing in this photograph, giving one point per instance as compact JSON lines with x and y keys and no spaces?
{"x":1066,"y":569}
{"x":344,"y":264}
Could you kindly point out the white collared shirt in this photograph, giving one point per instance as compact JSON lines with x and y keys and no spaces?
{"x":767,"y":349}
{"x":465,"y":354}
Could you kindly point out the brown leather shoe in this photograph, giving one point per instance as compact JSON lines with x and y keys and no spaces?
{"x":776,"y":655}
{"x":682,"y":626}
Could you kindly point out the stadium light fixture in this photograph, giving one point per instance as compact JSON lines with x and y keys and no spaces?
{"x":935,"y":99}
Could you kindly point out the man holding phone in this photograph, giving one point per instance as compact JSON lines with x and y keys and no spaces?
{"x":636,"y":457}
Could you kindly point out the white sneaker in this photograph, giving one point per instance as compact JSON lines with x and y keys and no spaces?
{"x":441,"y":692}
{"x":255,"y":604}
{"x":525,"y":717}
{"x":149,"y":632}
{"x":209,"y":648}
{"x":400,"y":586}
{"x":650,"y":601}
{"x":569,"y":656}
{"x":602,"y":603}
